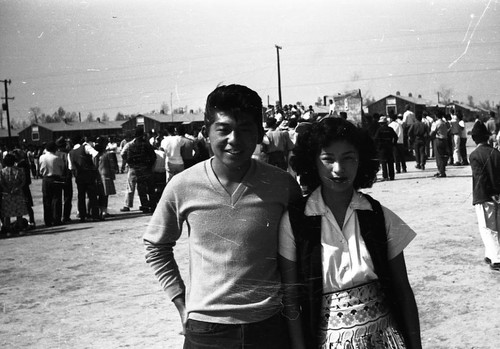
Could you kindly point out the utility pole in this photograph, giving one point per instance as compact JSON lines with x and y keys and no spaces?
{"x":171,"y":107}
{"x":6,"y":105}
{"x":278,"y":48}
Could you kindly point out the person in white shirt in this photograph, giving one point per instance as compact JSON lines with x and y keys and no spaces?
{"x":399,"y":148}
{"x":408,"y":120}
{"x":172,"y":145}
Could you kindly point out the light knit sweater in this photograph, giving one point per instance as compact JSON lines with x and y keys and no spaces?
{"x":233,"y":242}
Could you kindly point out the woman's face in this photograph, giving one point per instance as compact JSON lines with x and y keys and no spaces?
{"x":338,"y":165}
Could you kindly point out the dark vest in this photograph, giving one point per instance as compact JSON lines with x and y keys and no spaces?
{"x":84,"y":169}
{"x":307,"y":234}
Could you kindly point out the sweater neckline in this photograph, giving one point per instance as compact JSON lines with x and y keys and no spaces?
{"x":219,"y":188}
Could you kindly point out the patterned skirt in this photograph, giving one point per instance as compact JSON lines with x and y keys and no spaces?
{"x":358,"y":318}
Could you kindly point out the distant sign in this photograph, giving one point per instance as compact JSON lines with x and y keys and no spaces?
{"x":351,"y":103}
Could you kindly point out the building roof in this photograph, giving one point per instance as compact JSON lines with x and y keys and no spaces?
{"x":82,"y":126}
{"x":165,"y":118}
{"x":414,"y":100}
{"x":465,"y":106}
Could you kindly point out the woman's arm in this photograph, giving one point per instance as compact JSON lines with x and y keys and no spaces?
{"x":410,"y":324}
{"x":291,"y":309}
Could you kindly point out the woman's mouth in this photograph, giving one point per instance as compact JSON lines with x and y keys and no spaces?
{"x":339,"y":180}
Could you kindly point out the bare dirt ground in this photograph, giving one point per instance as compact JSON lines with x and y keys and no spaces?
{"x":88,"y":286}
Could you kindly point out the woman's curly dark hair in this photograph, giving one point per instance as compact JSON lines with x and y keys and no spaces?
{"x":321,"y":134}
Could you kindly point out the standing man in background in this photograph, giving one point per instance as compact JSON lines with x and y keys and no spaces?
{"x":278,"y":146}
{"x":485,"y":164}
{"x":52,"y":170}
{"x":439,"y":132}
{"x":62,"y":152}
{"x":399,"y":148}
{"x":140,"y":158}
{"x":408,"y":120}
{"x":81,"y":163}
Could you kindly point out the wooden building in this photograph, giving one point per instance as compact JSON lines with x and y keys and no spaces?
{"x":398,"y":104}
{"x":43,"y":133}
{"x":155,"y":122}
{"x":469,"y":113}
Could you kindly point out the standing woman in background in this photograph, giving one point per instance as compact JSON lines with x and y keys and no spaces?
{"x":108,"y":167}
{"x":13,"y":203}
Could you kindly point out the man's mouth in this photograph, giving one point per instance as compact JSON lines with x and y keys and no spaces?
{"x":233,"y":151}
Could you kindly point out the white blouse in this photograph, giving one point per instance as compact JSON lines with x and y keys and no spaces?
{"x":345,"y":258}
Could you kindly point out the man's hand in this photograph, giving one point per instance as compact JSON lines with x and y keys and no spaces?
{"x":180,"y":304}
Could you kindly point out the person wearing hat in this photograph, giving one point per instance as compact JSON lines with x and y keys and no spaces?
{"x":385,"y":140}
{"x":485,"y":164}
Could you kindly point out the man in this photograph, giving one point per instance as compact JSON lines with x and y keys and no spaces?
{"x":124,"y":141}
{"x":408,"y":120}
{"x":62,"y":152}
{"x":455,"y":138}
{"x":418,"y":134}
{"x":439,"y":132}
{"x":491,"y":126}
{"x":385,"y":139}
{"x":277,"y":145}
{"x":331,"y":107}
{"x":188,"y":149}
{"x":52,"y":170}
{"x":399,"y":148}
{"x":159,"y":178}
{"x":485,"y":165}
{"x":172,"y":145}
{"x":140,"y":158}
{"x":309,"y":115}
{"x":232,"y":206}
{"x":86,"y":175}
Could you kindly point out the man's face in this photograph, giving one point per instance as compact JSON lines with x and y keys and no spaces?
{"x":233,"y":140}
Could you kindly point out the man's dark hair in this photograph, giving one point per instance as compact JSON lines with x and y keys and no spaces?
{"x":51,"y":147}
{"x":9,"y":160}
{"x":234,"y":100}
{"x":139,"y":131}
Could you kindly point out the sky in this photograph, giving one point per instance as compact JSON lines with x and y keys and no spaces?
{"x":111,"y":56}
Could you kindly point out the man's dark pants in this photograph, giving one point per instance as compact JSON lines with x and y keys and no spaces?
{"x":420,"y":155}
{"x":441,"y":148}
{"x":268,"y":334}
{"x":87,"y":189}
{"x":67,"y":197}
{"x":399,"y":157}
{"x":52,"y":199}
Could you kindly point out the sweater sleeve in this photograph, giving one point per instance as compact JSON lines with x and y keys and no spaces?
{"x":163,"y":230}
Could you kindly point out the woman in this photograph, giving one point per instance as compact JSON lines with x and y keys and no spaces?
{"x":108,"y":167}
{"x":13,"y":202}
{"x":344,"y":249}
